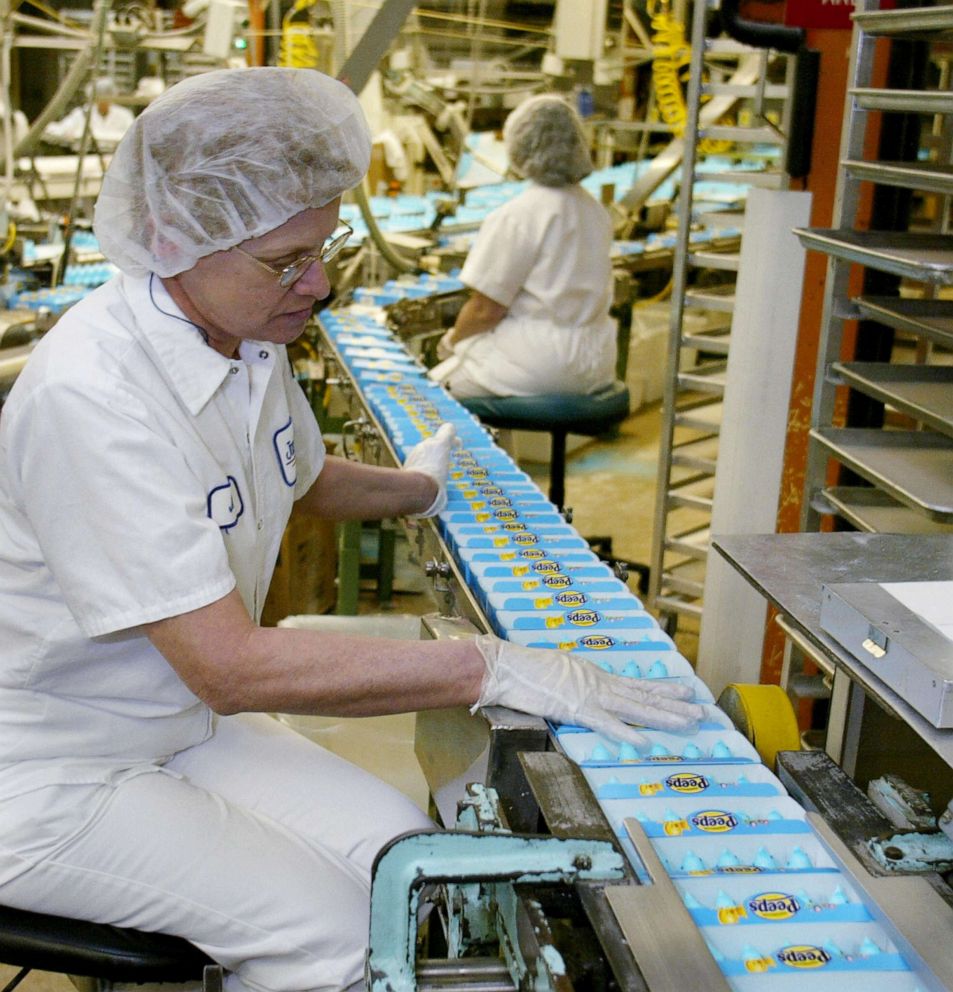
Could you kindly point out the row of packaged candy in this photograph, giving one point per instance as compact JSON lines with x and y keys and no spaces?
{"x":406,"y":212}
{"x":764,"y":890}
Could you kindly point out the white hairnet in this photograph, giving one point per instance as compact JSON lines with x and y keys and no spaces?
{"x":223,"y":157}
{"x":104,"y":87}
{"x":545,"y":142}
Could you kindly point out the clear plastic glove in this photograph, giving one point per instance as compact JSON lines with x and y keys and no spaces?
{"x":445,"y":346}
{"x":564,"y":689}
{"x":432,"y":457}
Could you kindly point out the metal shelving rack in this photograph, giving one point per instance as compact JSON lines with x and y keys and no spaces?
{"x":902,"y":470}
{"x":908,"y":470}
{"x":700,"y":317}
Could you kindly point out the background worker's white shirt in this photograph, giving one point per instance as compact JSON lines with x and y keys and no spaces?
{"x":142,"y":475}
{"x":19,"y":126}
{"x":545,"y":256}
{"x":106,"y":129}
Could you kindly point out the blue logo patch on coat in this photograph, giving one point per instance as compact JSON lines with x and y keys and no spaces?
{"x":225,"y":504}
{"x":284,"y":442}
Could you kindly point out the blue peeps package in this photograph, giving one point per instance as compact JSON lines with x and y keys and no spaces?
{"x":365,"y":376}
{"x":384,"y":351}
{"x":565,"y":598}
{"x":368,"y":339}
{"x":556,"y":529}
{"x":806,"y":949}
{"x":654,"y":639}
{"x":479,"y":478}
{"x":599,"y":622}
{"x":574,"y":563}
{"x":384,"y":365}
{"x":698,"y":781}
{"x":551,"y":582}
{"x":730,"y":817}
{"x":722,"y":746}
{"x":517,"y":540}
{"x":471,"y":499}
{"x":529,"y":517}
{"x":767,"y":899}
{"x":713,"y":719}
{"x":662,"y":663}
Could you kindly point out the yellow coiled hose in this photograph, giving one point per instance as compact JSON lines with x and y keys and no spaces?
{"x":671,"y":56}
{"x":11,"y":238}
{"x":298,"y":48}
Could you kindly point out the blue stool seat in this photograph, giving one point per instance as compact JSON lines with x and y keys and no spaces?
{"x":558,"y":415}
{"x":96,"y":950}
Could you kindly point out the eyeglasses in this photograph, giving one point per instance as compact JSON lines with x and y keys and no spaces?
{"x":290,"y":274}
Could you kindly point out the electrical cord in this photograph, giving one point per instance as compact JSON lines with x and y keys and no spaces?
{"x":11,"y":238}
{"x":671,"y":56}
{"x":298,"y":49}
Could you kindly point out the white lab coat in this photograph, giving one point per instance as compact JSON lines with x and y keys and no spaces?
{"x":106,"y":129}
{"x":545,"y":256}
{"x":143,"y":475}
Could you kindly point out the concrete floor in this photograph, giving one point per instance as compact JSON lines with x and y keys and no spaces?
{"x":610,"y":485}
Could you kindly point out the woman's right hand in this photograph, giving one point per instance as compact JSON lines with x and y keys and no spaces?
{"x":445,"y":346}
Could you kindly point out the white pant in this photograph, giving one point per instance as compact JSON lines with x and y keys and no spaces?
{"x":256,"y":845}
{"x":522,"y":357}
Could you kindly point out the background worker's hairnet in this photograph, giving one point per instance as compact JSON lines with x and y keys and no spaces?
{"x":223,"y":157}
{"x":103,"y":88}
{"x":545,"y":142}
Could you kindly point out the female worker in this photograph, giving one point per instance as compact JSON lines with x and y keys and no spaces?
{"x":150,"y":453}
{"x":537,"y":321}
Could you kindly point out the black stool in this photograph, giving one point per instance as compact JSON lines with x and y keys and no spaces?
{"x":557,"y":415}
{"x":35,"y":941}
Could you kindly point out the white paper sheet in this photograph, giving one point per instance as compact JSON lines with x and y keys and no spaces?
{"x":931,"y":601}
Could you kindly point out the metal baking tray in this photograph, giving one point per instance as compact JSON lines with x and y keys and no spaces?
{"x":912,"y":255}
{"x":929,"y":176}
{"x":915,"y":467}
{"x":903,"y":101}
{"x":873,"y":511}
{"x":931,"y":319}
{"x":909,"y":21}
{"x":925,"y":392}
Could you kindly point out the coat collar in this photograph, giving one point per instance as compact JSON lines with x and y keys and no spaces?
{"x":193,"y":368}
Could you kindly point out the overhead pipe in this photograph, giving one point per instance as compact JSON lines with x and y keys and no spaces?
{"x":784,"y":38}
{"x":760,"y":34}
{"x":355,"y":73}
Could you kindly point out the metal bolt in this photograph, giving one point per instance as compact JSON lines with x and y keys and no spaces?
{"x":433,"y":567}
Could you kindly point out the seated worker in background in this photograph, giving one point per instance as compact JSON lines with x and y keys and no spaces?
{"x":108,"y":122}
{"x":537,"y":321}
{"x":150,"y":454}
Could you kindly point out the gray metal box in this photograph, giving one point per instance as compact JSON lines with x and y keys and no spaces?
{"x":909,"y":655}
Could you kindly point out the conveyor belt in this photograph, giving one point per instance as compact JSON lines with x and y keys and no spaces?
{"x":771,"y":899}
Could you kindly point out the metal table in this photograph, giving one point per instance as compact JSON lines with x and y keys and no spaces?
{"x":789,"y":569}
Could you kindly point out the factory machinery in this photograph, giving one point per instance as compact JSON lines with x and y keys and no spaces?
{"x":688,"y":864}
{"x":696,"y":863}
{"x":46,"y":276}
{"x":52,"y":259}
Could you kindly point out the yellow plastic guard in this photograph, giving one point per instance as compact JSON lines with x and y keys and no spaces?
{"x":764,"y":714}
